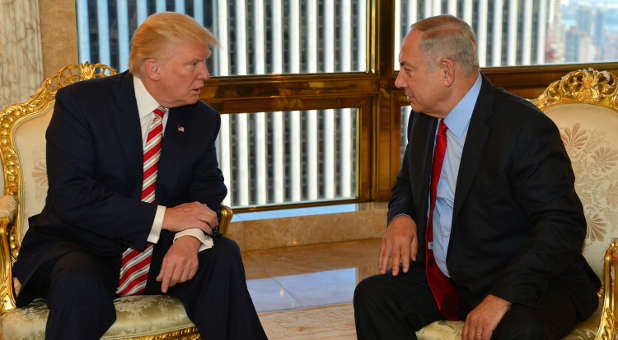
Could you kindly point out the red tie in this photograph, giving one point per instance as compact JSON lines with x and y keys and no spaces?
{"x":441,"y":288}
{"x":136,"y":264}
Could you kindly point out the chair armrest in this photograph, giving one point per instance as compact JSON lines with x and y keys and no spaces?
{"x":8,"y":209}
{"x":226,"y":218}
{"x":609,"y":316}
{"x":8,"y":206}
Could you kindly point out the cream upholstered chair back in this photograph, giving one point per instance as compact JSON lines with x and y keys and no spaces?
{"x":22,"y":136}
{"x":584,"y":106}
{"x":30,"y":140}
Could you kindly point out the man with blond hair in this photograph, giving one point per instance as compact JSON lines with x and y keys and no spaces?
{"x":134,"y":196}
{"x":484,"y":206}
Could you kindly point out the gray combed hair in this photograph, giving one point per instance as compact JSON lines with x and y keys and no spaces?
{"x":446,"y":36}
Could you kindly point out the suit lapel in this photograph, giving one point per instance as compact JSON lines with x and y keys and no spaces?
{"x":476,"y":138}
{"x":422,"y":144}
{"x":126,"y":121}
{"x":172,"y":146}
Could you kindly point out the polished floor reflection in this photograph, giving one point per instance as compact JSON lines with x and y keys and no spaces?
{"x":305,"y":292}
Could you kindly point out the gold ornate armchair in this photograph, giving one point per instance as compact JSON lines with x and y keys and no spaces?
{"x":22,"y":150}
{"x":584,"y":106}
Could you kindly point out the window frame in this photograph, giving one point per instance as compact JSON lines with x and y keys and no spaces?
{"x":374,"y":95}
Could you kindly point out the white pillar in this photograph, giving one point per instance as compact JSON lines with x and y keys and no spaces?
{"x":496,"y":53}
{"x":123,"y":35}
{"x":542,"y":35}
{"x":482,"y":32}
{"x":83,"y":30}
{"x":512,"y":39}
{"x":295,"y":116}
{"x":278,"y":128}
{"x":527,"y":43}
{"x":103,"y":28}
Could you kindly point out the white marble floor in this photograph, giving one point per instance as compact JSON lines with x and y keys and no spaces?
{"x":305,"y":292}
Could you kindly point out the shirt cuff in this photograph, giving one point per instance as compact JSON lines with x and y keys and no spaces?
{"x":157,"y":224}
{"x":205,"y":239}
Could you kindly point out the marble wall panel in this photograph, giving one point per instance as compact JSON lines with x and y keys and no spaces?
{"x":21,"y":71}
{"x":368,"y":221}
{"x":42,"y":38}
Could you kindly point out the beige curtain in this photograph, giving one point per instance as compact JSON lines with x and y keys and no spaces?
{"x":21,"y":62}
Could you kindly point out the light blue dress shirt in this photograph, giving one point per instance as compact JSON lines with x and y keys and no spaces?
{"x":457,"y":122}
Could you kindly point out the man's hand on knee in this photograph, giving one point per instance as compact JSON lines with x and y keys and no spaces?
{"x":399,"y":244}
{"x":484,"y":318}
{"x":180,"y":263}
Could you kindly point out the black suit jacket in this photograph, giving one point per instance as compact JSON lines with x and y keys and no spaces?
{"x":518,"y":225}
{"x":95,"y":166}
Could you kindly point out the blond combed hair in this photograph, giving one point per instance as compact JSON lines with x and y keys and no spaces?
{"x":154,"y":36}
{"x":445,"y":36}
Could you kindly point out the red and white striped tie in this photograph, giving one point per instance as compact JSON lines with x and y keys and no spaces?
{"x":136,"y":264}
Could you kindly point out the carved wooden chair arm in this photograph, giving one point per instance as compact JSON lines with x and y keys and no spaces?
{"x":607,"y":328}
{"x":226,"y":218}
{"x":7,"y":297}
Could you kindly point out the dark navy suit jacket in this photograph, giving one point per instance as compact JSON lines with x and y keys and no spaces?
{"x":94,"y":168}
{"x":518,"y":225}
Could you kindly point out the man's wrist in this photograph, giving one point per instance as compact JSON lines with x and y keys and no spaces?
{"x":191,"y":240}
{"x":399,"y":216}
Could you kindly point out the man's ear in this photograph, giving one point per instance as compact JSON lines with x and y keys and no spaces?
{"x":446,"y":68}
{"x":152,"y":69}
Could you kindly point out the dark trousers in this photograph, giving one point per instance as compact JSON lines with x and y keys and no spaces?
{"x":388,"y":307}
{"x":80,"y":295}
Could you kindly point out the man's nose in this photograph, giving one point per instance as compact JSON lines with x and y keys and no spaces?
{"x":399,"y":83}
{"x":204,"y":74}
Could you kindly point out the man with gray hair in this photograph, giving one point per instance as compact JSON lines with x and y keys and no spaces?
{"x":134,"y":196}
{"x":484,"y":205}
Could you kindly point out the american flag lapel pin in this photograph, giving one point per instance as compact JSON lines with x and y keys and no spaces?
{"x":181,"y":128}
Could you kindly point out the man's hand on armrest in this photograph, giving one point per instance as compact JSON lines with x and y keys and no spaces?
{"x":16,"y":286}
{"x":190,"y":215}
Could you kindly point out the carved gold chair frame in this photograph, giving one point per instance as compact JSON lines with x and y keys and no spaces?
{"x":589,"y":86}
{"x":11,"y":207}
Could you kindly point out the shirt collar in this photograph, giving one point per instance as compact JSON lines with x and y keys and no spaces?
{"x":145,"y":102}
{"x":458,"y":119}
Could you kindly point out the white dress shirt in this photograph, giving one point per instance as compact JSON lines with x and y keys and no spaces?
{"x":145,"y":105}
{"x":457,"y":122}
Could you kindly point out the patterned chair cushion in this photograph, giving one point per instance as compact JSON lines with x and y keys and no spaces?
{"x":136,"y":316}
{"x":452,"y":330}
